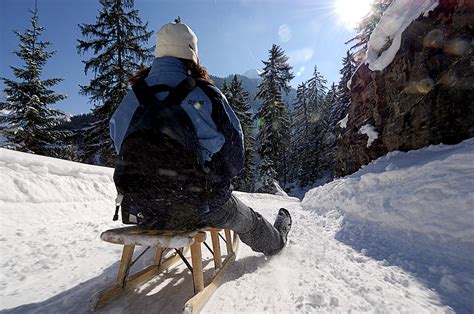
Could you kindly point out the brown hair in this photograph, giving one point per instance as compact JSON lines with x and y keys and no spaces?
{"x":141,"y":74}
{"x":195,"y":70}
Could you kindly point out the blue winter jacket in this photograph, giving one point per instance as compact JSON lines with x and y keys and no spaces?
{"x":226,"y":135}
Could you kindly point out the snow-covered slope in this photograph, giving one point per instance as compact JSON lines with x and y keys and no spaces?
{"x":345,"y":251}
{"x":252,"y":73}
{"x":415,"y":210}
{"x":52,"y":212}
{"x":428,"y":191}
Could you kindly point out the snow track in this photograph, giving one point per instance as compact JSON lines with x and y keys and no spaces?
{"x":358,"y":244}
{"x":316,"y":273}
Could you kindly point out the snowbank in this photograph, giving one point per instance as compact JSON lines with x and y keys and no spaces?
{"x":414,"y":209}
{"x":38,"y":179}
{"x":386,"y":38}
{"x":52,"y":212}
{"x":429,"y":191}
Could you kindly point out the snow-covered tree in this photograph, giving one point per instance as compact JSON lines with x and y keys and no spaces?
{"x":319,"y":141}
{"x":309,"y":125}
{"x":27,"y":121}
{"x":316,"y":92}
{"x":366,"y":27}
{"x":343,"y":92}
{"x":336,"y":105}
{"x":301,"y":115}
{"x":273,"y":120}
{"x":117,"y":40}
{"x":330,"y":101}
{"x":238,"y":100}
{"x":225,"y":89}
{"x":320,"y":146}
{"x":300,"y":125}
{"x":328,"y":138}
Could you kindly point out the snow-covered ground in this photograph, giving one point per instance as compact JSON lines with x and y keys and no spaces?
{"x":397,"y":236}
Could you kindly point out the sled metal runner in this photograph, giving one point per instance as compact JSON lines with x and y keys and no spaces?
{"x":182,"y":242}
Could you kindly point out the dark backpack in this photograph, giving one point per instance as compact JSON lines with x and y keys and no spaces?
{"x":159,"y":171}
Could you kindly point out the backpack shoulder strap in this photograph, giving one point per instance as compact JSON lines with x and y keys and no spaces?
{"x":181,"y":91}
{"x":146,"y":94}
{"x":209,"y":89}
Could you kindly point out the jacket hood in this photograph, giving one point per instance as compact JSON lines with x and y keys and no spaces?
{"x":166,"y":70}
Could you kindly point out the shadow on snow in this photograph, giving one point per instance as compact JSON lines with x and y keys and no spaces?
{"x":446,"y":267}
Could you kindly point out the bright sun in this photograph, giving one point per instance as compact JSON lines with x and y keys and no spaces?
{"x":350,"y":12}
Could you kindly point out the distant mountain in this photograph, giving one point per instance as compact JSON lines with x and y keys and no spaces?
{"x":77,"y":122}
{"x":65,"y":116}
{"x":252,"y":74}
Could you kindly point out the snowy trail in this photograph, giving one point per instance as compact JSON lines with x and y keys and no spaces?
{"x":317,"y":273}
{"x":52,"y":213}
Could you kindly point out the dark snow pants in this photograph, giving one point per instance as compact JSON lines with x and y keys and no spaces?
{"x":252,"y":228}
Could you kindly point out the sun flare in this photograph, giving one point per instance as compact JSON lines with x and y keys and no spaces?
{"x":350,"y":12}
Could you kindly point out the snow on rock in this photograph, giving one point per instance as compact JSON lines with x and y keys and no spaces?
{"x":343,"y":123}
{"x":413,"y":209}
{"x":371,"y":133}
{"x":279,"y":190}
{"x":385,"y":40}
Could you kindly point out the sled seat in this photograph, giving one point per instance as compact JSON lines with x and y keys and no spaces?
{"x":163,"y":238}
{"x":180,"y":241}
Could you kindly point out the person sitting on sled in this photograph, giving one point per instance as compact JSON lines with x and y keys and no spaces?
{"x":220,"y":142}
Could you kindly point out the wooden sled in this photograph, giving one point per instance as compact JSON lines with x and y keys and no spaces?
{"x":130,"y":237}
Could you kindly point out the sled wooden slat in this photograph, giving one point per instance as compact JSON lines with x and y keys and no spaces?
{"x":196,"y":257}
{"x":228,"y":240}
{"x":130,"y":237}
{"x":158,"y":256}
{"x":197,"y":302}
{"x":106,"y":296}
{"x":216,"y":248}
{"x":127,"y":255}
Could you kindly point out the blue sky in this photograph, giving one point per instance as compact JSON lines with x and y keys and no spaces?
{"x":234,"y":36}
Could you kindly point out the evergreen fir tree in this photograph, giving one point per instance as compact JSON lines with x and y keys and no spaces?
{"x":308,"y":144}
{"x":320,"y":147}
{"x":300,"y":126}
{"x":273,"y":120}
{"x":343,"y":92}
{"x":328,"y":141}
{"x":330,"y":102}
{"x":366,"y":27}
{"x":316,"y":92}
{"x":319,"y":165}
{"x":238,"y":100}
{"x":117,"y":40}
{"x":225,"y":89}
{"x":301,"y":114}
{"x":29,"y":124}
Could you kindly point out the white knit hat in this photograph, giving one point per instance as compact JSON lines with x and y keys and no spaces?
{"x":176,"y":40}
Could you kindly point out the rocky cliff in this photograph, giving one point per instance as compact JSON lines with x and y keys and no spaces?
{"x":424,"y":96}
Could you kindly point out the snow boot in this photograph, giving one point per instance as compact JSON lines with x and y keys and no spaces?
{"x":283,"y":223}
